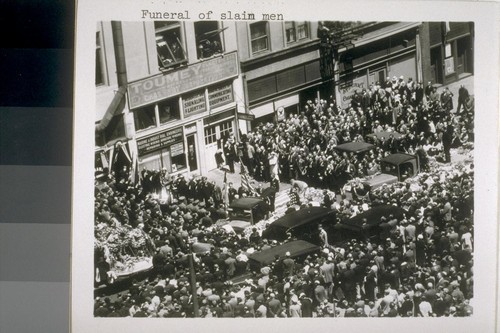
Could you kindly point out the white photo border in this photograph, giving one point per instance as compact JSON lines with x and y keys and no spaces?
{"x":486,"y":87}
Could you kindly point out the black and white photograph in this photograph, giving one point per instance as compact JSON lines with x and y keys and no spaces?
{"x":248,"y":165}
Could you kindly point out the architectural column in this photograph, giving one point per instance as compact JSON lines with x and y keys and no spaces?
{"x":425,"y":48}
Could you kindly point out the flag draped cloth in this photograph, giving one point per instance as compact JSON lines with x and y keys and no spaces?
{"x":245,"y":180}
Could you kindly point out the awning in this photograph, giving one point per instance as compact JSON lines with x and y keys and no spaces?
{"x":114,"y":107}
{"x":383,"y":33}
{"x":263,"y":110}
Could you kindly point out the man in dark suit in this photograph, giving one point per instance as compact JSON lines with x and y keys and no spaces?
{"x":463,"y":95}
{"x":447,"y":140}
{"x":231,"y":192}
{"x":275,"y":184}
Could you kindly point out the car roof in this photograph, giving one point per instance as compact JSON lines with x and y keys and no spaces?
{"x":397,"y":159}
{"x":296,"y":248}
{"x":372,"y":216}
{"x":355,"y":147}
{"x":247,"y":202}
{"x":301,"y":217}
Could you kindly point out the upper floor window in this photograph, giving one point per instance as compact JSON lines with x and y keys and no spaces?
{"x":145,"y":117}
{"x":296,"y":31}
{"x":99,"y":61}
{"x":168,"y":110}
{"x":208,"y":38}
{"x":259,"y":37}
{"x":156,"y":115}
{"x":169,"y":44}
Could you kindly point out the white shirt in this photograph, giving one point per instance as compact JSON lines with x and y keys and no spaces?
{"x":425,"y":308}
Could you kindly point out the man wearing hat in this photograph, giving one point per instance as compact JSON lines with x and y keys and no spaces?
{"x":232,"y":192}
{"x":320,"y":293}
{"x":289,"y":264}
{"x":463,"y":96}
{"x":323,"y":236}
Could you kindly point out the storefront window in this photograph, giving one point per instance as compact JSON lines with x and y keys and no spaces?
{"x":295,"y":31}
{"x":163,"y":150}
{"x":168,"y":110}
{"x":178,"y":157}
{"x":145,"y":117}
{"x":169,"y":44}
{"x":226,"y":128}
{"x":208,"y":38}
{"x":259,"y":37}
{"x":210,"y":135}
{"x":172,"y":158}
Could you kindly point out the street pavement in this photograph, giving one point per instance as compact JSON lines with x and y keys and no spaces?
{"x":468,"y":83}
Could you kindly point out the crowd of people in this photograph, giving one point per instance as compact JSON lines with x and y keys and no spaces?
{"x":303,"y":145}
{"x":422,"y":267}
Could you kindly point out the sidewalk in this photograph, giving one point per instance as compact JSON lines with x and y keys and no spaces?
{"x":468,"y":83}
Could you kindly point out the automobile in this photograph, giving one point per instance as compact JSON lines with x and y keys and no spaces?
{"x":367,"y":225}
{"x":301,"y":224}
{"x":394,"y":168}
{"x":357,"y":148}
{"x":245,"y":212}
{"x":296,"y":249}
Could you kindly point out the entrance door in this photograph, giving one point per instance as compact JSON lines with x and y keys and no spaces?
{"x":376,"y":75}
{"x":463,"y":55}
{"x":192,"y":155}
{"x":210,"y":146}
{"x":436,"y":65}
{"x":214,"y":136}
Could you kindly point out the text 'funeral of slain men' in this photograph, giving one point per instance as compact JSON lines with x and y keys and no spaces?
{"x":209,"y":15}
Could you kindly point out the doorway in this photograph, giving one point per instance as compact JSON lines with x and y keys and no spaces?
{"x":192,"y":155}
{"x":377,"y":75}
{"x":215,"y":136}
{"x":464,"y":58}
{"x":436,"y":65}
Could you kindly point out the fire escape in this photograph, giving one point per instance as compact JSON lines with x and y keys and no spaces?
{"x":335,"y":36}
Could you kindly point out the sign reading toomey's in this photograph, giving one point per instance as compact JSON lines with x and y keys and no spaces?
{"x":159,"y":141}
{"x":188,"y":78}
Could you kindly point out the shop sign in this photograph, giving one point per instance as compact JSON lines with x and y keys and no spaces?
{"x":159,"y":141}
{"x":345,"y":93}
{"x":449,"y":66}
{"x":177,"y":149}
{"x":188,"y":78}
{"x":218,"y":116}
{"x":220,"y":96}
{"x":280,"y":113}
{"x":246,"y":116}
{"x":194,"y":104}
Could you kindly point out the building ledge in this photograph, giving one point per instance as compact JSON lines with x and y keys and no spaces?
{"x":270,"y":57}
